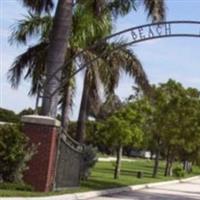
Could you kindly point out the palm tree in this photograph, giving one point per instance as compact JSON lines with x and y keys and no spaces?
{"x":122,"y":59}
{"x":105,"y":73}
{"x":33,"y":58}
{"x":59,"y":40}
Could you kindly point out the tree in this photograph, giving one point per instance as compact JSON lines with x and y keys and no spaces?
{"x":59,"y":40}
{"x":124,"y":127}
{"x":154,"y":125}
{"x":184,"y":138}
{"x":85,"y":26}
{"x":161,"y":118}
{"x":173,"y":123}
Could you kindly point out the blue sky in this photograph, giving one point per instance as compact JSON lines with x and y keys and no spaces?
{"x":177,"y":58}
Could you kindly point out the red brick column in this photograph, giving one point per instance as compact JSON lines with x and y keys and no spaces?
{"x":43,"y":132}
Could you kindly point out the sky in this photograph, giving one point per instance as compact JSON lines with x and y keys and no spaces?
{"x":176,"y":58}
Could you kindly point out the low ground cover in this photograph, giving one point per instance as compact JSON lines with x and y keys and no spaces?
{"x":102,"y":178}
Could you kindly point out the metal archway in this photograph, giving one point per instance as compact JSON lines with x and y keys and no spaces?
{"x":134,"y":35}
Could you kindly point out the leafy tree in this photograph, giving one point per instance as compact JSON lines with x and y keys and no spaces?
{"x":173,"y":123}
{"x":122,"y":128}
{"x":8,"y":116}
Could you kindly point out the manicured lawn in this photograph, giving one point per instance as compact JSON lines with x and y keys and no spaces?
{"x":102,"y":177}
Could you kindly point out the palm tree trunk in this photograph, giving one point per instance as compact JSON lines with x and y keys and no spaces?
{"x":56,"y":55}
{"x":80,"y":131}
{"x":118,"y":162}
{"x":67,"y":94}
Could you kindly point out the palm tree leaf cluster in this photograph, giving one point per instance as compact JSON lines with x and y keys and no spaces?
{"x":32,"y":63}
{"x":31,"y":25}
{"x":156,"y":9}
{"x":39,"y":5}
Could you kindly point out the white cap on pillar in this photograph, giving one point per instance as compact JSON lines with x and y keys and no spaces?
{"x":38,"y":119}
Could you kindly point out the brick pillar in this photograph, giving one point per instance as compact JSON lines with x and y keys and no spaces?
{"x":43,"y":132}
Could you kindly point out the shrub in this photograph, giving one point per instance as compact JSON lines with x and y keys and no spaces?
{"x":178,"y":172}
{"x":89,"y":160}
{"x":14,"y":153}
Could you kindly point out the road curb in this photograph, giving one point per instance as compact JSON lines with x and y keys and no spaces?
{"x":93,"y":194}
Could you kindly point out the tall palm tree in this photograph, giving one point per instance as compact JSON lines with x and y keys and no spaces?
{"x":122,"y":59}
{"x":33,"y":58}
{"x":59,"y":40}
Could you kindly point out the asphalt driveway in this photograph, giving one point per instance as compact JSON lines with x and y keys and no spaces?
{"x":181,"y":191}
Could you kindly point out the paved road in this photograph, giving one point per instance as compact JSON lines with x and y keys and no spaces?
{"x":183,"y":191}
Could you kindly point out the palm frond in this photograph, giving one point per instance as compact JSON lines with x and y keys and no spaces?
{"x":29,"y":64}
{"x":32,"y":25}
{"x":133,"y":67}
{"x":87,"y":28}
{"x":39,"y":5}
{"x":155,"y":9}
{"x":116,"y":59}
{"x":111,"y":104}
{"x":121,"y":7}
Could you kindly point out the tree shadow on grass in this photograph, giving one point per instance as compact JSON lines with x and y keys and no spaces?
{"x":101,"y":184}
{"x":125,"y":172}
{"x":135,"y":172}
{"x":105,"y":170}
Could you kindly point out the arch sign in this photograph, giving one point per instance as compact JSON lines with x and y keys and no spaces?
{"x":159,"y":30}
{"x":135,"y":35}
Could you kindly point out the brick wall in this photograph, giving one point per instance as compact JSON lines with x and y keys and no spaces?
{"x":41,"y":172}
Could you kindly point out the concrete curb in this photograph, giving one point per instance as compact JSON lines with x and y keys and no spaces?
{"x":93,"y":194}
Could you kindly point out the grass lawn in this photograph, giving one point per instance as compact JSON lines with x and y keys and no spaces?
{"x":102,"y":178}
